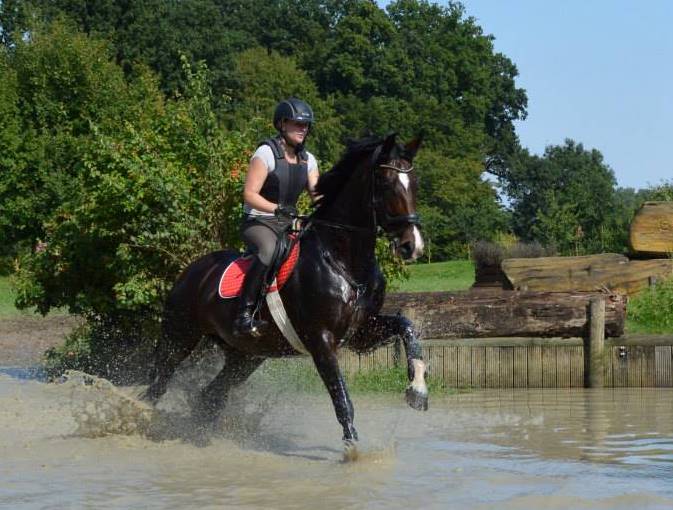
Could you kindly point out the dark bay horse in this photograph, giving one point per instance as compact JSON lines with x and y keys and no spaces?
{"x":332,"y":298}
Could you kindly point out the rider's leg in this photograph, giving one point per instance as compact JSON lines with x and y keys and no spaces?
{"x":263,"y":240}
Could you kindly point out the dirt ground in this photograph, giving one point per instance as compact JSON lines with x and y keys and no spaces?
{"x":25,"y":338}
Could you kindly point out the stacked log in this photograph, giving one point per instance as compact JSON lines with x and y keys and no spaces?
{"x":603,"y":272}
{"x":651,"y":231}
{"x":509,"y":313}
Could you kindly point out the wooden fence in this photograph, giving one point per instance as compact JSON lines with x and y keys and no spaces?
{"x":636,"y":360}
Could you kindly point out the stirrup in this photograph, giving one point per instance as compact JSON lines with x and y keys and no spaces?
{"x":248,"y":326}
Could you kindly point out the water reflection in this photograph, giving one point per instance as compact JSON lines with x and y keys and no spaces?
{"x":627,"y":425}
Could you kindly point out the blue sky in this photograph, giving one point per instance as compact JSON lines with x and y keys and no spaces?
{"x":597,"y":71}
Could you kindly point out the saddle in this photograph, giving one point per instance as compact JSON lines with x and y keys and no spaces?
{"x":285,"y":260}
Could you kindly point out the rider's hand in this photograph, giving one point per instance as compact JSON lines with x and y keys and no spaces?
{"x":285,"y":212}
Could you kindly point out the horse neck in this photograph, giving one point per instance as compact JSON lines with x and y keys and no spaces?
{"x":353,"y":207}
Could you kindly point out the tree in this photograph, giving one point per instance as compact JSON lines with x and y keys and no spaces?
{"x":564,"y":197}
{"x":253,"y":100}
{"x":151,"y":196}
{"x":457,"y":207}
{"x":59,"y":85}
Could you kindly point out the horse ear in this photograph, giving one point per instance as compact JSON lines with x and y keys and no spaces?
{"x":388,"y":143}
{"x":412,"y":147}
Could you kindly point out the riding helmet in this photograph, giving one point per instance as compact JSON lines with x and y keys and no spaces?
{"x":292,"y":109}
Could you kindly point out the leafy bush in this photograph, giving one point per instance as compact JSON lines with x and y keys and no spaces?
{"x":651,"y":311}
{"x":150,"y":198}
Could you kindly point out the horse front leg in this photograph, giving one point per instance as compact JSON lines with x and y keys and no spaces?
{"x":382,"y":329}
{"x":325,"y":358}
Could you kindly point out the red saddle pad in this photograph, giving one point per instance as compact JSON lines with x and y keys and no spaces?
{"x":231,"y":280}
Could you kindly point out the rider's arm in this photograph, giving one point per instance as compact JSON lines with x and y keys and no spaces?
{"x":254,"y":180}
{"x":310,"y":184}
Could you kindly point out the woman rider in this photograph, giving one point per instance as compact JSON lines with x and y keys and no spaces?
{"x":279,"y":170}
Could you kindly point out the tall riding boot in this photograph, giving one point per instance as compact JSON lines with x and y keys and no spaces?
{"x":245,"y":323}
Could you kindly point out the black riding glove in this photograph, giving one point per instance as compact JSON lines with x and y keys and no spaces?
{"x":285,"y":212}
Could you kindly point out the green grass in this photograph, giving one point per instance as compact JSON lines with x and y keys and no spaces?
{"x":438,"y":276}
{"x":299,"y":375}
{"x":7,"y":298}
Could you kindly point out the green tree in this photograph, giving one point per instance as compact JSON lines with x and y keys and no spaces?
{"x":59,"y":83}
{"x":456,"y":205}
{"x":253,"y":100}
{"x":152,"y":196}
{"x":566,"y":185}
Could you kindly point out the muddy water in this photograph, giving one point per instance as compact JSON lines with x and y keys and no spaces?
{"x":76,"y":445}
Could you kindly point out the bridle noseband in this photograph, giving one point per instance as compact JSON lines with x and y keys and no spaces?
{"x":381,"y":216}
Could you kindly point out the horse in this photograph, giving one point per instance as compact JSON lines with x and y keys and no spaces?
{"x":333,"y":297}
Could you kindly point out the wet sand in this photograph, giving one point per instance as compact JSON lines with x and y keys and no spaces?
{"x":25,"y":338}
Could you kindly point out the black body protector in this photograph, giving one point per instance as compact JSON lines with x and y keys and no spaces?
{"x":284,"y":185}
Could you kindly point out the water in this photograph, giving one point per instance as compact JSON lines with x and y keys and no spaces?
{"x":71,"y":446}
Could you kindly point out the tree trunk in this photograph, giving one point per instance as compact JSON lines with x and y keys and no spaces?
{"x":652,"y":229}
{"x":590,"y":273}
{"x":506,"y":313}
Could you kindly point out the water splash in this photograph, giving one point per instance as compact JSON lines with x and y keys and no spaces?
{"x":99,"y":408}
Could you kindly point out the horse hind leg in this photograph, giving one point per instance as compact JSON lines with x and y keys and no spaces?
{"x":179,"y":337}
{"x":237,"y":368}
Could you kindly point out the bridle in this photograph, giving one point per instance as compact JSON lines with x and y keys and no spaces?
{"x":380,"y":216}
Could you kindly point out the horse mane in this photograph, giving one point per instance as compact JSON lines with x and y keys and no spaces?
{"x":332,"y":182}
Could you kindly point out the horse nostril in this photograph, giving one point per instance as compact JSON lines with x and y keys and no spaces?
{"x":406,"y":249}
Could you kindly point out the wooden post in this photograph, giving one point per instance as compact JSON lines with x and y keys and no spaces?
{"x":594,"y":345}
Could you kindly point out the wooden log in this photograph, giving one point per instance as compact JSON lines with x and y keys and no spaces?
{"x":588,"y":273}
{"x":508,"y":313}
{"x":651,"y":230}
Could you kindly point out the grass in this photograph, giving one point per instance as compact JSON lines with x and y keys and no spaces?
{"x":7,"y":298}
{"x":438,"y":276}
{"x":300,"y":375}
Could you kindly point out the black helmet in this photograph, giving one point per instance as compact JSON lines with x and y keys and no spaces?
{"x":293,"y":109}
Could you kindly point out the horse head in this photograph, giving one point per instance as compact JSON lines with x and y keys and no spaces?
{"x":394,"y":196}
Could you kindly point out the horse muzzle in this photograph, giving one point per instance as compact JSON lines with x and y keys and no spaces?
{"x":410,"y":244}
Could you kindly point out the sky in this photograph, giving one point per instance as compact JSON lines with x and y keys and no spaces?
{"x":597,"y":71}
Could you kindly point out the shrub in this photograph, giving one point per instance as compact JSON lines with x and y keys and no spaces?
{"x":488,"y":254}
{"x":151,"y":198}
{"x":652,"y":310}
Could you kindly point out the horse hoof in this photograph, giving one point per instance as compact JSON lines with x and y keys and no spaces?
{"x":416,"y":399}
{"x":351,"y":453}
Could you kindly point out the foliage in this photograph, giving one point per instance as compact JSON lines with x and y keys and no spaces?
{"x":458,"y":210}
{"x":253,"y":100}
{"x":662,"y":192}
{"x":60,"y":84}
{"x":651,"y":311}
{"x":564,"y":198}
{"x":151,"y":197}
{"x":416,"y":66}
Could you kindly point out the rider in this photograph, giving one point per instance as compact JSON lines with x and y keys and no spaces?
{"x":279,"y":170}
